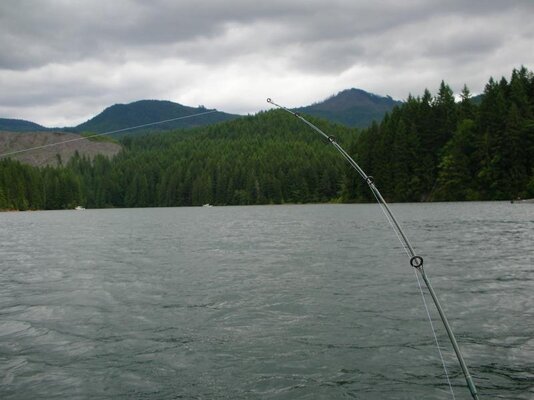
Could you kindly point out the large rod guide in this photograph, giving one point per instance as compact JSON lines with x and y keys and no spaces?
{"x":416,"y":261}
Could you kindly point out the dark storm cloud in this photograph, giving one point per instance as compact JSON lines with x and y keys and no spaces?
{"x":55,"y":51}
{"x":35,"y":33}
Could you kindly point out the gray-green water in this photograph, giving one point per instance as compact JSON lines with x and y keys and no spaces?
{"x":275,"y":302}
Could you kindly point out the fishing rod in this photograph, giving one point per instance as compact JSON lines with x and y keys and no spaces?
{"x":416,"y":261}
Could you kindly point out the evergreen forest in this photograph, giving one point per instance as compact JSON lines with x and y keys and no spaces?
{"x":429,"y":148}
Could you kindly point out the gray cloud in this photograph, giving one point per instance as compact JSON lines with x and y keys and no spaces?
{"x":88,"y":55}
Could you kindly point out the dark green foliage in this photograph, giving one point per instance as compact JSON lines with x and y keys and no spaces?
{"x":23,"y":187}
{"x":432,"y":148}
{"x":268,"y":158}
{"x":457,"y":167}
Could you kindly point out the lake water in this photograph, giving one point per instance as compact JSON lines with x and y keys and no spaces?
{"x":273,"y":302}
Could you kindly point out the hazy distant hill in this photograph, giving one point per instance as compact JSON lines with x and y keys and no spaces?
{"x":120,"y":116}
{"x":352,"y":107}
{"x":19,"y":125}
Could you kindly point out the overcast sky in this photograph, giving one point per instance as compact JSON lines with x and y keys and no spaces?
{"x":62,"y":62}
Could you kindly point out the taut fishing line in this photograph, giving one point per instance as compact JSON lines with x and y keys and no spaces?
{"x":105,"y":133}
{"x":416,"y":261}
{"x":423,"y":298}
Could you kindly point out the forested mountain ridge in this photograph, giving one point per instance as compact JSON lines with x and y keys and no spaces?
{"x":426,"y":149}
{"x":352,"y":107}
{"x":120,"y":116}
{"x":267,"y":158}
{"x":261,"y":159}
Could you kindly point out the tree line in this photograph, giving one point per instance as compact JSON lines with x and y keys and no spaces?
{"x":437,"y":149}
{"x":24,"y":187}
{"x":430,"y":148}
{"x":268,"y":158}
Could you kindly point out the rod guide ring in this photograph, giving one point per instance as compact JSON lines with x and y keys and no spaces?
{"x":416,"y":261}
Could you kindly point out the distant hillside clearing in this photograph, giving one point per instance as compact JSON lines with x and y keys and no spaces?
{"x":52,"y":155}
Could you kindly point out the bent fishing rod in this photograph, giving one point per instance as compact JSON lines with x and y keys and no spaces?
{"x":416,"y":261}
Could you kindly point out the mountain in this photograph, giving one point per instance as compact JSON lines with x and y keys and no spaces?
{"x":352,"y":107}
{"x":19,"y":125}
{"x":120,"y":116}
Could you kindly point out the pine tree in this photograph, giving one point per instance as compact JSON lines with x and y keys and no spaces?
{"x":456,"y":169}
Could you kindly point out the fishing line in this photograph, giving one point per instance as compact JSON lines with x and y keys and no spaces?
{"x":424,"y":300}
{"x":105,"y":133}
{"x":435,"y":334}
{"x":416,"y":261}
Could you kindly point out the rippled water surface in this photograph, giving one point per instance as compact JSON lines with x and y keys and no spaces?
{"x":274,"y":302}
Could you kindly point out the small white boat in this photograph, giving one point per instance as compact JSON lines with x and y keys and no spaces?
{"x":207,"y":205}
{"x":79,"y":208}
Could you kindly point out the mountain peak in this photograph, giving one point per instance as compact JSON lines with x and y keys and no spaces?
{"x":119,"y":116}
{"x":352,"y":107}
